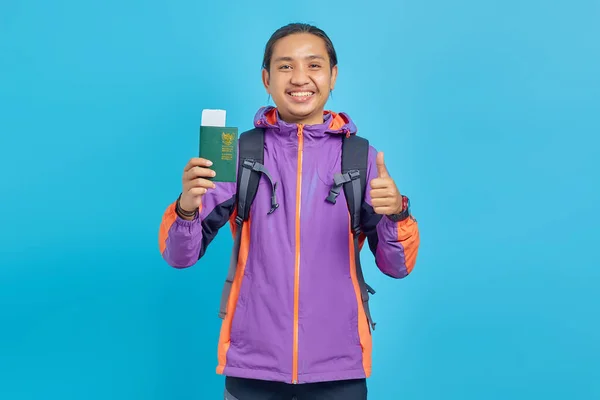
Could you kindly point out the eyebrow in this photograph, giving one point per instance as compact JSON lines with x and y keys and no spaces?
{"x":311,"y":57}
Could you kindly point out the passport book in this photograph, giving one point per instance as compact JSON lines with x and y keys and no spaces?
{"x":219,"y":145}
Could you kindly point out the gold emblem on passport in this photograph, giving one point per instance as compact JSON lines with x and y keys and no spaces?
{"x":227,"y":140}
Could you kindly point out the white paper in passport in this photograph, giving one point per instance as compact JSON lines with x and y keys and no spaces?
{"x":213,"y":118}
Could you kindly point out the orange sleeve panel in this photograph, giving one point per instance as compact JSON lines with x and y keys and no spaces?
{"x":409,"y":239}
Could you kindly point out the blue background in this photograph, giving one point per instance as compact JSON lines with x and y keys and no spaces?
{"x":488,"y":112}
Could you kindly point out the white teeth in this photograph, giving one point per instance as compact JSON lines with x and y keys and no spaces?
{"x":301,"y":94}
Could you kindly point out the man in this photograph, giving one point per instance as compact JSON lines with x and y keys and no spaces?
{"x":295,"y":324}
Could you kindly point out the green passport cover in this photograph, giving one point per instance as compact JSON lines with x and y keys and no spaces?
{"x":219,"y":145}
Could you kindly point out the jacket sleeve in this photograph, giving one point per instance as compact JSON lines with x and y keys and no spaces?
{"x":181,"y":242}
{"x":394,"y":244}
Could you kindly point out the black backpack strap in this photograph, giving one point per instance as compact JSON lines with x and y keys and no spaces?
{"x":355,"y":158}
{"x":250,"y":169}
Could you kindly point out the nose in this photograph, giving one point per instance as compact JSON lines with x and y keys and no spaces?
{"x":299,"y":76}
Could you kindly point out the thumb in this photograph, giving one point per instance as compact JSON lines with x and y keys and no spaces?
{"x":382,"y":171}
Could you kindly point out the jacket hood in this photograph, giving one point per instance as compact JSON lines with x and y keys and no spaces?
{"x":333,"y":123}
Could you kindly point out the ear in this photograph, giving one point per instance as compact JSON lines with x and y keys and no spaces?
{"x":334,"y":73}
{"x":265,"y":79}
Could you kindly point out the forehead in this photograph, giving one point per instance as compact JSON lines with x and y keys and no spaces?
{"x":300,"y":45}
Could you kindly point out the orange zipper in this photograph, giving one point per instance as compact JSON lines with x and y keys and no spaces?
{"x":297,"y":262}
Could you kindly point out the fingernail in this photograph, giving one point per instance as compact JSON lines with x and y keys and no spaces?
{"x":214,"y":174}
{"x":209,"y":163}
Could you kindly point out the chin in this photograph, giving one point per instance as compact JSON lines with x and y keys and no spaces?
{"x":299,"y":115}
{"x":301,"y":112}
{"x":304,"y":110}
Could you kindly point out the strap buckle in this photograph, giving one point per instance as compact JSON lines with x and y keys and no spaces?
{"x":249,"y":163}
{"x":238,"y":220}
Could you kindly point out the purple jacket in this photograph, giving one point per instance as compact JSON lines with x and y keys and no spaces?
{"x":295,"y":313}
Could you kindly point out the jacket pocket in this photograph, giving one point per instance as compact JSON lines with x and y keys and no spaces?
{"x":327,"y":167}
{"x":354,"y":318}
{"x":238,"y":323}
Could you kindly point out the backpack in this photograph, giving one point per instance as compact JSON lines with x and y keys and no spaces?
{"x":353,"y":180}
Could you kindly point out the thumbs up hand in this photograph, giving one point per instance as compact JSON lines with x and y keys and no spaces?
{"x":385,"y":197}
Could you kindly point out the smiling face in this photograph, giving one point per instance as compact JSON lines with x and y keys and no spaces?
{"x":300,"y":78}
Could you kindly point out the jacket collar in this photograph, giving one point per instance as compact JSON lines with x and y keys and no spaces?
{"x":333,"y":123}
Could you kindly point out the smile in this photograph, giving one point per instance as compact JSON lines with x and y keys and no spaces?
{"x":301,"y":96}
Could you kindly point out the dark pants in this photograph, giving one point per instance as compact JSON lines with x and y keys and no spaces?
{"x":249,"y":389}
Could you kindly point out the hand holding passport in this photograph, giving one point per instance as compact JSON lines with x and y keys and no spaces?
{"x":217,"y":162}
{"x":219,"y":144}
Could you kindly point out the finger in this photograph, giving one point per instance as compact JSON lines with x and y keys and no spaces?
{"x":202,"y":183}
{"x":199,"y":172}
{"x":382,"y":193}
{"x":382,"y":171}
{"x":198,"y":162}
{"x":382,"y":202}
{"x":197,"y":191}
{"x":380,"y":183}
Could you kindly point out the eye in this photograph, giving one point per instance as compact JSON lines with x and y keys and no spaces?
{"x":315,"y":66}
{"x":284,"y":67}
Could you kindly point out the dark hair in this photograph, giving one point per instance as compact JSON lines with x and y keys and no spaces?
{"x":291,"y":29}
